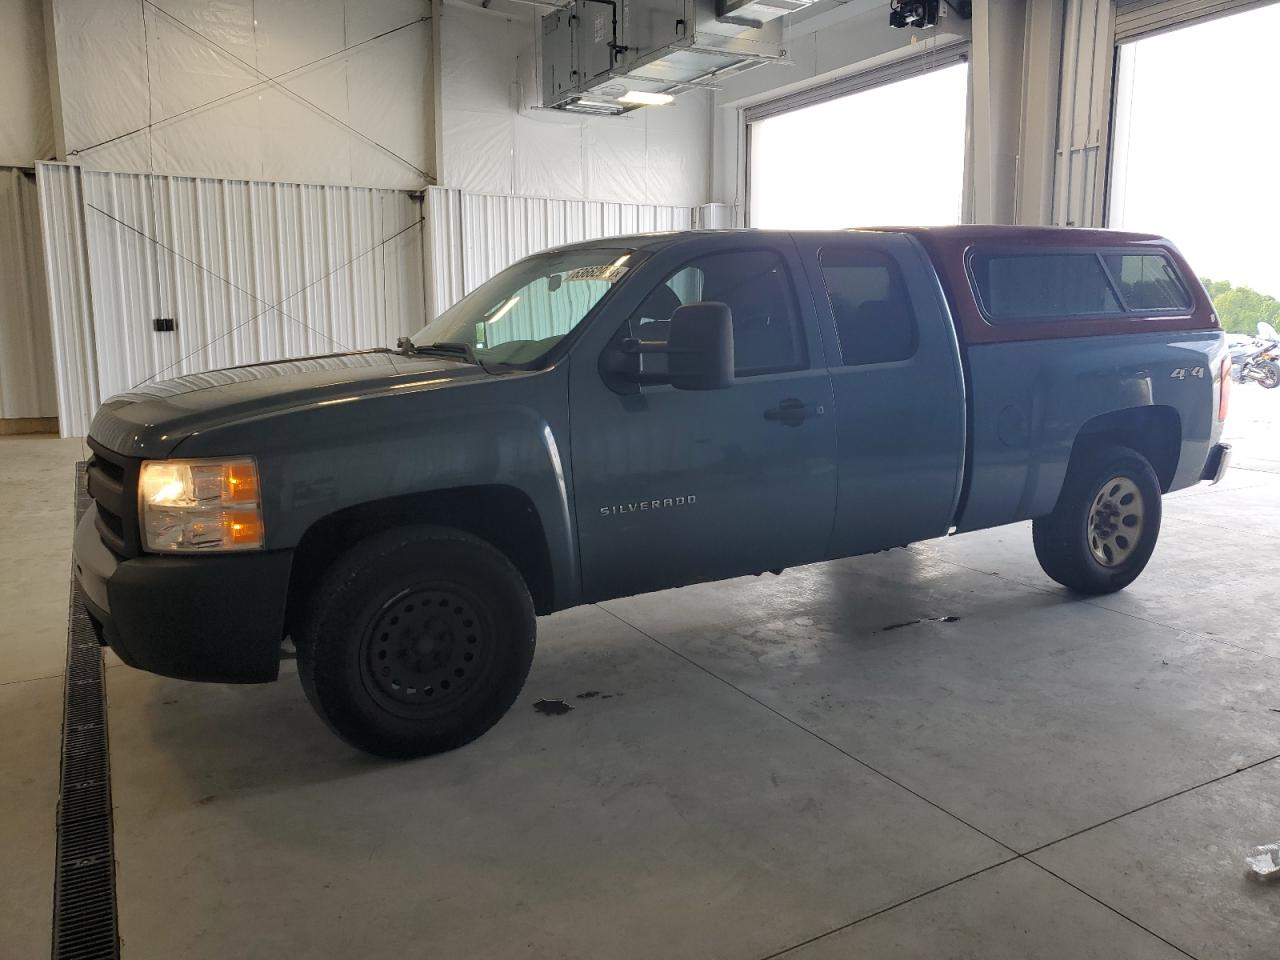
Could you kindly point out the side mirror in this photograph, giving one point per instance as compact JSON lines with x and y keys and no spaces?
{"x":698,"y":351}
{"x":699,"y":347}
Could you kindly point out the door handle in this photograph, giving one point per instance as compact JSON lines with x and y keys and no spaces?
{"x":792,"y":412}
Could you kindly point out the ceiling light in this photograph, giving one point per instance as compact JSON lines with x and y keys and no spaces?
{"x":643,"y":98}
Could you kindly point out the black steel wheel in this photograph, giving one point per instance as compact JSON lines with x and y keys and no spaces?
{"x":418,"y":641}
{"x":426,"y":651}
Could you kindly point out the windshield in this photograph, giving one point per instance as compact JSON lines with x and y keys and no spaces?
{"x":522,"y":312}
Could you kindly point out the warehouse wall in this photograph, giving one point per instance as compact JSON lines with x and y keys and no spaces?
{"x":318,"y":91}
{"x":26,"y":119}
{"x":495,"y":140}
{"x":249,"y":271}
{"x":473,"y":236}
{"x":26,"y":352}
{"x":26,"y":135}
{"x":254,"y":271}
{"x":235,"y":104}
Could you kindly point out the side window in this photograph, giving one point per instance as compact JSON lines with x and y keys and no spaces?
{"x":756,"y":286}
{"x":1014,"y":288}
{"x":1147,"y":281}
{"x":869,"y":302}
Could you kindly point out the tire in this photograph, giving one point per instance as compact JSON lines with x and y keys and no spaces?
{"x":417,"y":641}
{"x":1088,"y":544}
{"x":1270,"y":374}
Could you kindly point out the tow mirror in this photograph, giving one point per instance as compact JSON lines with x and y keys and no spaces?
{"x":700,"y":347}
{"x":698,"y":350}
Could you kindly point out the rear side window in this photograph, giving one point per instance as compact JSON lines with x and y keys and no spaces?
{"x":1147,"y":281}
{"x":869,"y":303}
{"x":1017,"y":287}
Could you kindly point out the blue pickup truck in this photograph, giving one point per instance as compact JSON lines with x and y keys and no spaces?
{"x":631,"y":414}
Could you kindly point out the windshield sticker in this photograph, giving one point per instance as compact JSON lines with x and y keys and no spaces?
{"x":609,"y":272}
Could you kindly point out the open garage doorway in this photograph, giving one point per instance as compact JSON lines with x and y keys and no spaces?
{"x":892,"y":153}
{"x":1194,"y":154}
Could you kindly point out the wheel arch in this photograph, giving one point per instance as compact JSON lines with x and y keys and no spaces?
{"x":1155,"y":431}
{"x":503,"y":516}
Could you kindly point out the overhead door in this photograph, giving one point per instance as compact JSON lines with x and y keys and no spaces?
{"x":1140,"y":18}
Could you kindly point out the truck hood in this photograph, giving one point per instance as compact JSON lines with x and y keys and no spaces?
{"x":152,"y":419}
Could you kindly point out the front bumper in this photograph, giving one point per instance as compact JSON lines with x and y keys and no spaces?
{"x":1215,"y":465}
{"x":218,"y":618}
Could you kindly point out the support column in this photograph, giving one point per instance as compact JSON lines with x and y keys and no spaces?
{"x":1088,"y":61}
{"x":999,"y":28}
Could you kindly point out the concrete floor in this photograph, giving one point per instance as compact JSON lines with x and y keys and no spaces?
{"x":765,"y":769}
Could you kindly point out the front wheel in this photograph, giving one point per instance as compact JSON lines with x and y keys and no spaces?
{"x":1104,"y":528}
{"x":417,"y":641}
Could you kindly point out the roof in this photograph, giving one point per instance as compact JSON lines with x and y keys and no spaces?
{"x":948,"y":235}
{"x":969,"y":233}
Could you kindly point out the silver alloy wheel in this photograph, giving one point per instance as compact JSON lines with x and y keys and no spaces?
{"x":1115,"y":521}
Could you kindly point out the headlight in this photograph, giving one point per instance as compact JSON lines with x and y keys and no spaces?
{"x":200,"y":505}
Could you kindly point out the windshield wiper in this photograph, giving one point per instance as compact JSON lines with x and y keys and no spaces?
{"x":450,"y":349}
{"x":444,"y":348}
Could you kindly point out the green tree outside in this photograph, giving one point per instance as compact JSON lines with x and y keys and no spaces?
{"x":1240,"y":308}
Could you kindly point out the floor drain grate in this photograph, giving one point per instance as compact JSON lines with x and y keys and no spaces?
{"x":84,"y":895}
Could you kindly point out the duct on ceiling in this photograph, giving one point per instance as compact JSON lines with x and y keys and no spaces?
{"x":598,"y":54}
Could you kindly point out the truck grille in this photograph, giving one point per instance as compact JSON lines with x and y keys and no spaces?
{"x":113,"y":485}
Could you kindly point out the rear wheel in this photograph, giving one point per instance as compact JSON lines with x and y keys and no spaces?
{"x":1105,"y":525}
{"x":1270,"y":374}
{"x":418,"y":641}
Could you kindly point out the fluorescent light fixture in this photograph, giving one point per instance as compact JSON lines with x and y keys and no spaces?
{"x":643,"y":98}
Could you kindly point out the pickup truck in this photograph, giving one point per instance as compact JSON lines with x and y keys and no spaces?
{"x":632,"y":414}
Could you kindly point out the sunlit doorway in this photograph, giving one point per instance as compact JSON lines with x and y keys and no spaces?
{"x":1195,"y":153}
{"x":892,"y":154}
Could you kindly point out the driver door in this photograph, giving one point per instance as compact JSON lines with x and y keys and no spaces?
{"x":677,"y":486}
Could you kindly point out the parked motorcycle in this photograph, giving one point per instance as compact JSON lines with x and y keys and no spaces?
{"x":1257,"y":359}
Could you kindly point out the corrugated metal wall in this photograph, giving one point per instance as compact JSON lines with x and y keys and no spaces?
{"x":264,"y":271}
{"x":248,"y":271}
{"x":496,"y":231}
{"x":444,"y":249}
{"x":472,"y":235}
{"x":26,"y":347}
{"x":714,"y":216}
{"x":70,"y":301}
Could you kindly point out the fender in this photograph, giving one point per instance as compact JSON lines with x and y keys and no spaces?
{"x":349,"y":451}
